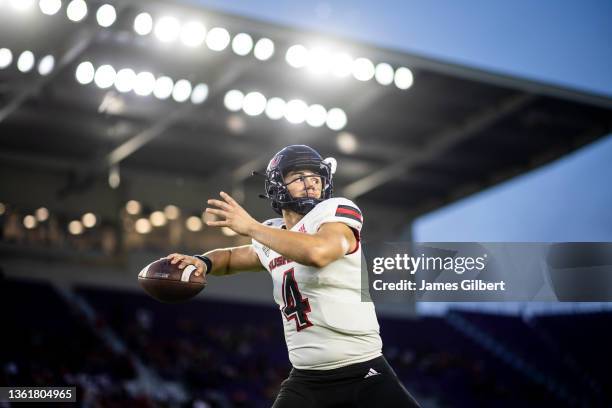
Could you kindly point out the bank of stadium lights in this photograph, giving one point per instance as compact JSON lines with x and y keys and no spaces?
{"x":142,"y":84}
{"x":320,"y":61}
{"x":294,"y":111}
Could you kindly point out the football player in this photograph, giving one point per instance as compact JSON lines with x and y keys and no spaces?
{"x":313,"y":255}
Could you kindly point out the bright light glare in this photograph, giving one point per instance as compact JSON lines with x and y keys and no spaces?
{"x":46,"y":64}
{"x":316,"y":115}
{"x":6,"y":57}
{"x":217,"y":39}
{"x":105,"y":76}
{"x":25,"y":63}
{"x":193,"y":34}
{"x":143,"y":24}
{"x":342,"y":65}
{"x":50,"y":7}
{"x":242,"y":44}
{"x":264,"y":49}
{"x":143,"y":226}
{"x":158,"y":218}
{"x":182,"y":90}
{"x":363,"y":69}
{"x":295,"y":111}
{"x":42,"y":214}
{"x":172,"y":212}
{"x":319,"y":60}
{"x":163,"y":87}
{"x":29,"y":221}
{"x":199,"y":94}
{"x":145,"y":83}
{"x":167,"y":29}
{"x":106,"y":15}
{"x":89,"y":220}
{"x":403,"y":78}
{"x":76,"y":10}
{"x":133,"y":207}
{"x":384,"y":74}
{"x":193,"y":223}
{"x":336,"y":119}
{"x":75,"y":227}
{"x":233,"y":100}
{"x":347,"y":143}
{"x":275,"y":108}
{"x":297,"y":56}
{"x":124,"y":81}
{"x":22,"y":5}
{"x":254,"y":104}
{"x":85,"y":73}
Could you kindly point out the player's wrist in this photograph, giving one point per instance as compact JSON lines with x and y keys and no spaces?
{"x":207,"y":263}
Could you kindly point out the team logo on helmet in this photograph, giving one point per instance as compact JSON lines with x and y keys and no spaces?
{"x":274,"y":162}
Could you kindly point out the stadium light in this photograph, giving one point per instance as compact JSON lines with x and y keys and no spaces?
{"x":233,"y":100}
{"x":124,"y":81}
{"x":254,"y":104}
{"x":105,"y":76}
{"x":242,"y":44}
{"x":297,"y":56}
{"x":25,"y":62}
{"x":133,"y":207}
{"x":403,"y":78}
{"x":194,"y":224}
{"x":158,"y":219}
{"x":336,"y":119}
{"x":50,"y":7}
{"x":347,"y":143}
{"x":181,"y":91}
{"x":295,"y":111}
{"x":341,"y":65}
{"x":193,"y":34}
{"x":46,"y":65}
{"x":384,"y":74}
{"x":318,"y":61}
{"x":275,"y":108}
{"x":163,"y":87}
{"x":89,"y":220}
{"x":172,"y":212}
{"x":76,"y":10}
{"x":167,"y":29}
{"x":363,"y":69}
{"x":29,"y":221}
{"x":85,"y":73}
{"x":264,"y":49}
{"x":6,"y":57}
{"x":145,"y":83}
{"x":106,"y":15}
{"x":143,"y":24}
{"x":42,"y":214}
{"x":143,"y":226}
{"x":75,"y":227}
{"x":22,"y":5}
{"x":217,"y":39}
{"x":199,"y":94}
{"x":316,"y":116}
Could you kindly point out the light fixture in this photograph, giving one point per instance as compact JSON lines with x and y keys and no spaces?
{"x":172,"y":212}
{"x":85,"y":73}
{"x":42,"y":214}
{"x":242,"y":44}
{"x":341,"y":65}
{"x":143,"y":24}
{"x":22,"y":5}
{"x":347,"y":143}
{"x":182,"y":90}
{"x":295,"y":111}
{"x":264,"y":49}
{"x":167,"y":29}
{"x":275,"y":108}
{"x":125,"y":79}
{"x":363,"y":69}
{"x":316,"y":115}
{"x":144,"y":84}
{"x":106,"y":15}
{"x":75,"y":227}
{"x":158,"y":218}
{"x":297,"y":56}
{"x":46,"y":65}
{"x":142,"y":226}
{"x":217,"y":39}
{"x":163,"y":87}
{"x":319,"y":60}
{"x":403,"y":78}
{"x":193,"y":223}
{"x":254,"y":103}
{"x":233,"y":100}
{"x":6,"y":57}
{"x":193,"y":34}
{"x":76,"y":10}
{"x":336,"y":119}
{"x":133,"y":207}
{"x":89,"y":220}
{"x":384,"y":74}
{"x":50,"y":7}
{"x":105,"y":76}
{"x":25,"y":62}
{"x":199,"y":94}
{"x":29,"y":221}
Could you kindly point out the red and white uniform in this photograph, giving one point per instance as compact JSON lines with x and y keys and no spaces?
{"x":326,"y":323}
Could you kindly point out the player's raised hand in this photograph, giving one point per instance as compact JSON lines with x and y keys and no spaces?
{"x":233,"y":215}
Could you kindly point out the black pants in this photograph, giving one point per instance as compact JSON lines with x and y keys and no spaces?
{"x":369,"y":384}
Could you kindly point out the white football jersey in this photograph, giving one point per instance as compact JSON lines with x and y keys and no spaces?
{"x":326,"y":323}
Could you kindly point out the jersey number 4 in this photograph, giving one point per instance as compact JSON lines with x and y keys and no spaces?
{"x":296,"y":307}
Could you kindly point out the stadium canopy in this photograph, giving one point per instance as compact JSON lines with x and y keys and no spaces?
{"x":165,"y":87}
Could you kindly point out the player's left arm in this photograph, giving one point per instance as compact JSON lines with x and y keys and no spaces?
{"x":332,"y":241}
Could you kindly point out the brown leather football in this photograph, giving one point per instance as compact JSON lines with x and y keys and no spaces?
{"x":169,"y":284}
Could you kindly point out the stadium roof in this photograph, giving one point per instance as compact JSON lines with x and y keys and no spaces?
{"x":453,"y":131}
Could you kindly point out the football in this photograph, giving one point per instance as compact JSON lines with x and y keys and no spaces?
{"x":167,"y":283}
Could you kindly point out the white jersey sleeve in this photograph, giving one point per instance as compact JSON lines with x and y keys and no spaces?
{"x":338,"y":209}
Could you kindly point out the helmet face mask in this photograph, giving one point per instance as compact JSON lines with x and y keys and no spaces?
{"x":293,"y":158}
